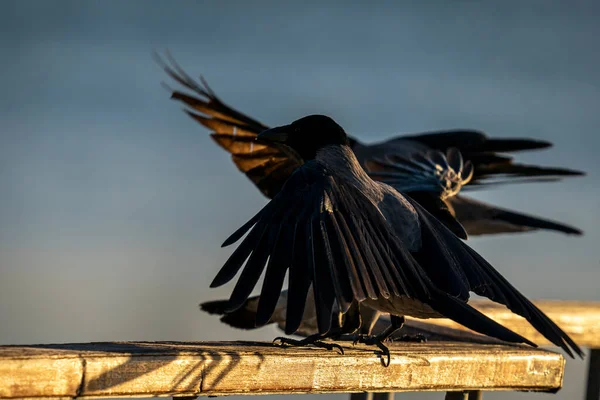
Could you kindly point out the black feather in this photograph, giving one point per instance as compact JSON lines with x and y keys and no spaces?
{"x":242,"y":318}
{"x":238,"y":257}
{"x":323,"y":286}
{"x":479,"y":218}
{"x":466,"y":315}
{"x":468,"y":140}
{"x":436,"y":206}
{"x":277,"y":267}
{"x":534,"y":222}
{"x":252,"y":271}
{"x":483,"y":279}
{"x":300,"y":279}
{"x":341,"y":259}
{"x":344,"y":276}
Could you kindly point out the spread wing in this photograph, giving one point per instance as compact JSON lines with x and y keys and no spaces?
{"x":235,"y":131}
{"x":267,"y":165}
{"x":333,"y":239}
{"x":479,"y":276}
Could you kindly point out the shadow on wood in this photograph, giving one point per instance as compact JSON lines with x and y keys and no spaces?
{"x":143,"y":369}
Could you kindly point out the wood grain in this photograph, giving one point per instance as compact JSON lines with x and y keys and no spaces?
{"x":151,"y":369}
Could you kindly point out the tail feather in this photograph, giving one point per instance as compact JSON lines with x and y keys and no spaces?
{"x":242,"y":318}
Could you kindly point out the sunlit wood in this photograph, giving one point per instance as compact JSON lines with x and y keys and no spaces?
{"x":141,"y":369}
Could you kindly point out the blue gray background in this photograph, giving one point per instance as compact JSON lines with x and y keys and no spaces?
{"x":113,"y":203}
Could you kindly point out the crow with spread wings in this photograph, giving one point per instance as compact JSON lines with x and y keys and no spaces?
{"x":356,"y":244}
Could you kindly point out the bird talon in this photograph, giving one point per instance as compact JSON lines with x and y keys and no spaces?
{"x":330,"y":346}
{"x":386,"y":353}
{"x":376,"y":341}
{"x":327,"y":346}
{"x":283,"y":341}
{"x":309,"y":341}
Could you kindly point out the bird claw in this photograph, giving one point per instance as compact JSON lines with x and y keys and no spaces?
{"x":309,"y":342}
{"x":376,"y":341}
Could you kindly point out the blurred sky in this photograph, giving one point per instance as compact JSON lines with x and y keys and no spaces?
{"x":113,"y":203}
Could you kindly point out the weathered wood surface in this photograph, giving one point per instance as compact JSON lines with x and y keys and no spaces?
{"x":151,"y":369}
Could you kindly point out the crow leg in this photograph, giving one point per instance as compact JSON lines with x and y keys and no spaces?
{"x":377,"y":340}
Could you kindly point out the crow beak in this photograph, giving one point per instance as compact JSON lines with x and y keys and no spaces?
{"x":279,"y":134}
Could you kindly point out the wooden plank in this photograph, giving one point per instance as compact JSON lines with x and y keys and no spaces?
{"x":151,"y":369}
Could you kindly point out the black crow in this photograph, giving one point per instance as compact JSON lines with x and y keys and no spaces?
{"x":268,"y":166}
{"x":356,"y":243}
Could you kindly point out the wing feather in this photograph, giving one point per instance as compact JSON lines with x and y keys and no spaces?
{"x":471,"y":271}
{"x":300,"y":279}
{"x":344,"y":251}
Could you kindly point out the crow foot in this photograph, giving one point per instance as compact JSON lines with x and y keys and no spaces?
{"x":313,"y":340}
{"x":376,"y":341}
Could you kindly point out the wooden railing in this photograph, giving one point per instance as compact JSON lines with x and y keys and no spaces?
{"x":453,"y":360}
{"x":142,"y":369}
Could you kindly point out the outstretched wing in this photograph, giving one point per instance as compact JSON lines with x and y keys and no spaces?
{"x":234,"y":132}
{"x":332,"y":238}
{"x":267,"y":165}
{"x":480,"y":277}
